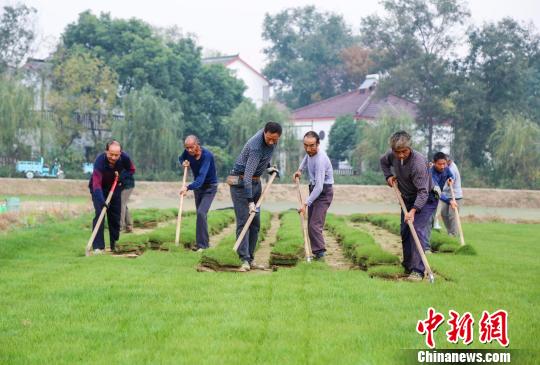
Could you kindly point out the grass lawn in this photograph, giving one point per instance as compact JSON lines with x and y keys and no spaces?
{"x":59,"y":307}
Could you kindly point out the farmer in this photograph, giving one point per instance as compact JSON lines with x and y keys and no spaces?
{"x":127,"y":182}
{"x":321,"y":179}
{"x":106,"y":164}
{"x":204,"y":186}
{"x":411,"y":172}
{"x":245,"y":182}
{"x":440,"y":174}
{"x":448,"y":212}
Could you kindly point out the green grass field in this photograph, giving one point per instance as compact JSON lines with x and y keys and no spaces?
{"x":59,"y":307}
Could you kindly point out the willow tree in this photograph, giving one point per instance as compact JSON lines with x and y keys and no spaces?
{"x":151,"y":131}
{"x":16,"y":118}
{"x":515,"y":152}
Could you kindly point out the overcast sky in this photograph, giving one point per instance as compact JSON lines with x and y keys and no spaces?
{"x":235,"y":26}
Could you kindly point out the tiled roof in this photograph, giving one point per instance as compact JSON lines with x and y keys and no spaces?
{"x":362,"y":104}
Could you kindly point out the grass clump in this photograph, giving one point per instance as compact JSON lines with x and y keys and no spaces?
{"x":289,"y":247}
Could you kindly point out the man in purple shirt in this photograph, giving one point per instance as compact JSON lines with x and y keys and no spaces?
{"x":410,"y":169}
{"x":321,"y":179}
{"x":106,"y":165}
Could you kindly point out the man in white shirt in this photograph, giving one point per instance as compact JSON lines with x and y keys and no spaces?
{"x":321,"y":179}
{"x":448,"y":213}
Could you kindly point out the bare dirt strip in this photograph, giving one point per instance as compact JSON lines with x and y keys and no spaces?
{"x":334,"y":253}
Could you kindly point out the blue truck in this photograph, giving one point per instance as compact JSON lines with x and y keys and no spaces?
{"x":38,"y":168}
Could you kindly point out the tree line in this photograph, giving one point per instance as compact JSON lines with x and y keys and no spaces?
{"x":482,"y":80}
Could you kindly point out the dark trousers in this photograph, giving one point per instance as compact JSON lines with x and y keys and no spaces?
{"x":246,"y":250}
{"x":317,"y":216}
{"x":113,"y":218}
{"x":412,"y":260}
{"x":203,"y":199}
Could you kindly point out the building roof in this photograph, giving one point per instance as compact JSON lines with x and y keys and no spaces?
{"x":362,"y":104}
{"x":224,"y":60}
{"x":228,"y":60}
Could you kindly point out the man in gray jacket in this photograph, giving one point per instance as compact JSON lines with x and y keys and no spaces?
{"x":410,"y":169}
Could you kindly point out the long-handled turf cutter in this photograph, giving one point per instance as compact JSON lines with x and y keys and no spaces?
{"x":252,"y":214}
{"x":179,"y":218}
{"x":461,"y":238}
{"x":101,"y":216}
{"x":415,"y":236}
{"x":307,"y":246}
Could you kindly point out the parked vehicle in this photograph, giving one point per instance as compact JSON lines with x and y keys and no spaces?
{"x":38,"y":168}
{"x":88,"y":168}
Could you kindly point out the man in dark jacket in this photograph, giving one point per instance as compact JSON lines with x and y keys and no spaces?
{"x":106,"y":165}
{"x":202,"y":164}
{"x":410,"y":169}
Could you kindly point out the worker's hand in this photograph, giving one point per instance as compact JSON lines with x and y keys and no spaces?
{"x":106,"y":205}
{"x":273,"y":169}
{"x":297,"y":175}
{"x":184,"y":190}
{"x":409,"y":217}
{"x":252,"y":208}
{"x":453,"y":204}
{"x":302,"y":209}
{"x":437,"y":192}
{"x":390,"y":181}
{"x":185,"y":163}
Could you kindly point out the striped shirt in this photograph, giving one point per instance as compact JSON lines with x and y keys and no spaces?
{"x":320,"y":172}
{"x":414,"y":181}
{"x":253,"y":160}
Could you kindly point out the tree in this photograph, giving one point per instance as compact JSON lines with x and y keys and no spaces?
{"x":16,"y":117}
{"x":16,"y":35}
{"x":305,"y":54}
{"x":500,"y":75}
{"x":167,"y":61}
{"x":243,"y":122}
{"x":413,"y":44}
{"x":373,"y":139}
{"x":342,"y":138}
{"x":151,"y":131}
{"x":358,"y":63}
{"x":83,"y":87}
{"x":515,"y":143}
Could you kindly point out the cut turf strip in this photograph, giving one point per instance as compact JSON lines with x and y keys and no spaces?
{"x":289,"y":247}
{"x":439,"y":242}
{"x":162,"y":238}
{"x":387,"y":240}
{"x":222,"y":257}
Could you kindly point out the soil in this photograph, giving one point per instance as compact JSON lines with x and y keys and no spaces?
{"x":262,"y":256}
{"x":334,"y":254}
{"x":356,"y":194}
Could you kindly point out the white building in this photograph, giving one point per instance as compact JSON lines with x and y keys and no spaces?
{"x":258,"y":87}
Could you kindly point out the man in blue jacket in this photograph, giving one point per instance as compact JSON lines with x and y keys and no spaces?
{"x":106,"y":165}
{"x":440,"y":174}
{"x":204,"y":187}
